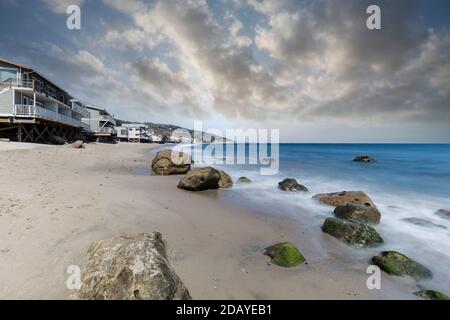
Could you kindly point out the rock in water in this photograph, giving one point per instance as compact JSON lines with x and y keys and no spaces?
{"x":354,"y":233}
{"x":225,"y":180}
{"x":200,"y":179}
{"x":366,"y":159}
{"x":167,"y":162}
{"x":424,"y":223}
{"x":291,"y":185}
{"x":130,"y":268}
{"x":244,"y":180}
{"x":77,"y":144}
{"x":397,"y":264}
{"x":358,"y":212}
{"x":443,"y":213}
{"x":431,"y":295}
{"x":343,"y":198}
{"x":284,"y":254}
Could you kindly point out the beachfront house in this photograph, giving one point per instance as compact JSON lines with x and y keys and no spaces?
{"x":133,"y":132}
{"x":101,"y":124}
{"x":35,"y":109}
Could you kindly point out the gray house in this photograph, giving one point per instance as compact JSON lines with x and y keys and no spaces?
{"x":101,"y":123}
{"x":34,"y":109}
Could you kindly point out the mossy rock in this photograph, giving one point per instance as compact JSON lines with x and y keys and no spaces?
{"x":290,"y":184}
{"x":431,"y":295}
{"x":285,"y":254}
{"x":352,"y":232}
{"x":244,"y":180}
{"x":397,"y":264}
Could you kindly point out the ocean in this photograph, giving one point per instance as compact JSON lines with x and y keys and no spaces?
{"x":406,"y":181}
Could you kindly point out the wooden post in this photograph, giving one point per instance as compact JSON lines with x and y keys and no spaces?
{"x":19,"y":133}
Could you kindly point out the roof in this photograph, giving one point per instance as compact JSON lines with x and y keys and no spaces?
{"x":32,"y":70}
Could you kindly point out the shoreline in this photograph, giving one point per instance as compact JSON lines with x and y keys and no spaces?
{"x":51,"y":216}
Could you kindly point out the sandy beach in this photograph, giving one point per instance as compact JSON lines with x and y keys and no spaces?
{"x":55,"y":201}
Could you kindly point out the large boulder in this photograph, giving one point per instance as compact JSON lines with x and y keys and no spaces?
{"x":130,"y":268}
{"x":168,"y":162}
{"x":358,"y":212}
{"x":200,"y":179}
{"x":354,"y":233}
{"x":243,"y":180}
{"x":225,"y":180}
{"x":398,"y":264}
{"x":284,"y":254}
{"x":431,"y":295}
{"x":344,"y":197}
{"x":443,"y":213}
{"x":366,"y":159}
{"x":290,"y":184}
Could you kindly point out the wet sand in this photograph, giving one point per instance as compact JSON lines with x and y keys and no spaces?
{"x":55,"y":201}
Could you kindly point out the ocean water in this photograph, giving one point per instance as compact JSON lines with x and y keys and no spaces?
{"x":407,"y":181}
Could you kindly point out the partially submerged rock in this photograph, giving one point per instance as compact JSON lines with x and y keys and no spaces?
{"x":200,"y":179}
{"x":353,"y":233}
{"x":424,"y":223}
{"x":284,"y":254}
{"x":290,"y":184}
{"x":225,"y":180}
{"x":431,"y":295}
{"x":168,"y":162}
{"x":77,"y":144}
{"x":358,"y":212}
{"x":130,"y":268}
{"x":344,"y":197}
{"x":243,"y":180}
{"x":366,"y":159}
{"x":397,"y":264}
{"x":443,"y":213}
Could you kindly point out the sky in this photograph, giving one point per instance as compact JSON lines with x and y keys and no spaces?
{"x":309,"y":68}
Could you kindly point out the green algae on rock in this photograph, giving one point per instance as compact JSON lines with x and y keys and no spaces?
{"x":285,"y":254}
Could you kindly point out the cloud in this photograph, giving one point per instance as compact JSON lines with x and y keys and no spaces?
{"x":60,"y":6}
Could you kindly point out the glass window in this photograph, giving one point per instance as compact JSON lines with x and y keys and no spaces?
{"x":8,"y":74}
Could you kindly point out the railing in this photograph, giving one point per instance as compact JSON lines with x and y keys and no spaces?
{"x":108,"y":130}
{"x":37,"y":112}
{"x":77,"y":108}
{"x":107,"y":118}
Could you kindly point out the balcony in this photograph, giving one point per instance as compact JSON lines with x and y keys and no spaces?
{"x":31,"y":111}
{"x":107,"y":118}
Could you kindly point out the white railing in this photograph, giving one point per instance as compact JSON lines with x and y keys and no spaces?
{"x":108,"y":130}
{"x":37,"y":112}
{"x":107,"y":118}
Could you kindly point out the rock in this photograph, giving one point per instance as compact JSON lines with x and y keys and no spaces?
{"x":77,"y":144}
{"x":397,"y":264}
{"x":243,"y":180}
{"x":358,"y":212}
{"x":200,"y":179}
{"x":431,"y":295}
{"x":167,"y":162}
{"x":424,"y":223}
{"x":443,"y":213}
{"x":130,"y":268}
{"x":364,"y":159}
{"x":56,"y":140}
{"x":225,"y":180}
{"x":343,"y":198}
{"x":291,"y":185}
{"x":284,"y":254}
{"x":354,"y":233}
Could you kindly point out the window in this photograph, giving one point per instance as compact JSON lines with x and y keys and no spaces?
{"x":7,"y":74}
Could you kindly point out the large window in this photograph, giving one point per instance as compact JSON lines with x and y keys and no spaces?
{"x":8,"y":74}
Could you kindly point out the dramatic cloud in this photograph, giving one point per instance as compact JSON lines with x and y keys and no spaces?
{"x":261,"y":60}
